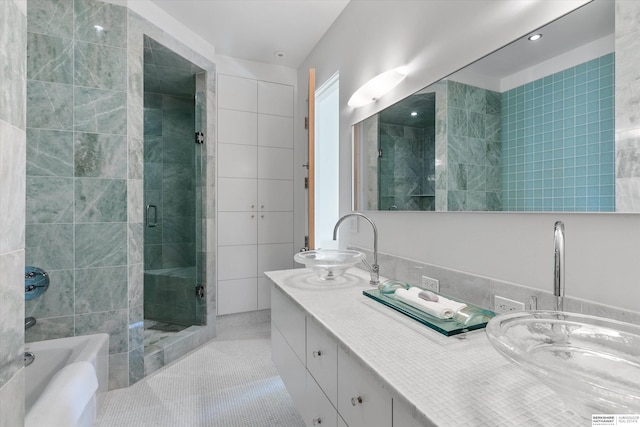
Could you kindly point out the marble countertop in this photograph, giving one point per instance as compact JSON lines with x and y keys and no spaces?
{"x":446,"y":381}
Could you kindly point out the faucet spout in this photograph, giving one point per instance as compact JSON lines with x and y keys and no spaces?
{"x":558,"y":264}
{"x":374,"y":268}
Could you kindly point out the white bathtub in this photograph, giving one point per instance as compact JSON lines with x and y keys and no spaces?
{"x":63,"y":368}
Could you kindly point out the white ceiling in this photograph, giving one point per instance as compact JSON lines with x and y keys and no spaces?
{"x":256,"y":29}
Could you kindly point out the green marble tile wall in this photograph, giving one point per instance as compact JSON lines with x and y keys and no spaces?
{"x":85,"y":170}
{"x":77,"y":224}
{"x":13,"y":39}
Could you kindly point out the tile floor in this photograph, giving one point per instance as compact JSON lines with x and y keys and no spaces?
{"x":228,"y":382}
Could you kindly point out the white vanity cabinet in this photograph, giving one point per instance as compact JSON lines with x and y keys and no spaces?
{"x":322,"y":360}
{"x":328,"y":386}
{"x":362,"y":402}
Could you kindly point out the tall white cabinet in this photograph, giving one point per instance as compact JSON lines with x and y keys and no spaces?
{"x":255,"y":189}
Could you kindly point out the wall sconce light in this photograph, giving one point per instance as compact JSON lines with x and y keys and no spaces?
{"x":376,"y":87}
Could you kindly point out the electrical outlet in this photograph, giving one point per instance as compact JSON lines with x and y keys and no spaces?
{"x":430,"y":284}
{"x":506,"y":305}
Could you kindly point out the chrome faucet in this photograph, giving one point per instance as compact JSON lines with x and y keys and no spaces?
{"x":558,"y":264}
{"x":375,"y":268}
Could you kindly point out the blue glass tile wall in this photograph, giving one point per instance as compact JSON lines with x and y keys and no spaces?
{"x":558,"y":141}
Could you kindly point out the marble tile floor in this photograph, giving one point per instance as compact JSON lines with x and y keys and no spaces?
{"x":228,"y":382}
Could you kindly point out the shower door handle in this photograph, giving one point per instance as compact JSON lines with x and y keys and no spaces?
{"x":151,"y":223}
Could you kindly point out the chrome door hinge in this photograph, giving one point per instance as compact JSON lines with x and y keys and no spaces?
{"x":306,"y":122}
{"x":306,"y":182}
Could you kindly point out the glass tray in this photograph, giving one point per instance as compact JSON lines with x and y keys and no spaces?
{"x":477,"y":320}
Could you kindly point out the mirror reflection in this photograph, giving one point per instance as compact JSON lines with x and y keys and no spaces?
{"x":527,"y":128}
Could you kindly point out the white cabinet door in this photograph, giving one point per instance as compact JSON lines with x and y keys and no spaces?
{"x":236,"y":296}
{"x":237,"y":262}
{"x":237,"y":194}
{"x":275,"y":131}
{"x":275,"y":163}
{"x":290,"y":320}
{"x":237,"y":228}
{"x":275,"y":227}
{"x":275,"y":98}
{"x":341,"y":422}
{"x":318,"y":411}
{"x":264,"y":293}
{"x":290,"y":368}
{"x":237,"y":161}
{"x":275,"y":195}
{"x":272,"y":257}
{"x":237,"y":93}
{"x":237,"y":127}
{"x":362,"y":401}
{"x":322,"y":360}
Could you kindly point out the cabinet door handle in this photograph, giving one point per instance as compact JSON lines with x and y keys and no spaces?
{"x":356,"y":400}
{"x":316,"y":421}
{"x":317,"y":353}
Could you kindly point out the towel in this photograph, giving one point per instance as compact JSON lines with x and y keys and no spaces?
{"x":66,"y":398}
{"x":449,"y":303}
{"x":433,"y":308}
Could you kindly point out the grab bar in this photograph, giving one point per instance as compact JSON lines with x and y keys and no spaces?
{"x":155,"y":216}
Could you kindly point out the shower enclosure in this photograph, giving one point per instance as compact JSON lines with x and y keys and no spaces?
{"x":406,"y":155}
{"x":174,"y":116}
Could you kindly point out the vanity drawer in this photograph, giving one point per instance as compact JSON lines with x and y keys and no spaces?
{"x":290,"y":368}
{"x":318,"y":410}
{"x":322,"y":360}
{"x":290,"y":320}
{"x":362,"y":402}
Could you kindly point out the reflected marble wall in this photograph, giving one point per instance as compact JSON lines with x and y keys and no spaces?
{"x":13,"y":39}
{"x":468,"y":148}
{"x":627,"y":106}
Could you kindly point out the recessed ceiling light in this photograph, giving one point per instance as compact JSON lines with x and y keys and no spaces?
{"x":535,"y":37}
{"x":279,"y":54}
{"x":414,"y":113}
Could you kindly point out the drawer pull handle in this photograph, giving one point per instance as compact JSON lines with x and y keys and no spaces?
{"x":317,"y":353}
{"x":356,"y":400}
{"x":316,"y":421}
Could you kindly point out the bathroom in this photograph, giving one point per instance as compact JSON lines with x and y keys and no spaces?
{"x":513,"y":248}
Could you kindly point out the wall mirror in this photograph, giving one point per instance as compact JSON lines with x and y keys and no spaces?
{"x":529,"y":127}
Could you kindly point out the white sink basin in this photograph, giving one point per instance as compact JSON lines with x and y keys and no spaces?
{"x":329,"y":263}
{"x":591,"y":362}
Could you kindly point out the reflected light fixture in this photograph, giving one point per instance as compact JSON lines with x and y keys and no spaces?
{"x":414,"y":113}
{"x":535,"y":37}
{"x":376,"y":87}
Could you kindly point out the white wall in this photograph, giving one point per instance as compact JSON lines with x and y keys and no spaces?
{"x":435,"y":38}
